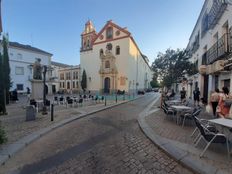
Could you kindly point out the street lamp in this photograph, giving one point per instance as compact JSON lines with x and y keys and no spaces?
{"x":44,"y":90}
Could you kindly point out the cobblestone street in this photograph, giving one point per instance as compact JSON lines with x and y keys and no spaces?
{"x":106,"y":142}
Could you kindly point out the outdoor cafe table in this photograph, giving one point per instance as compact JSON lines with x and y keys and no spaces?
{"x":225,"y":124}
{"x":173,"y":102}
{"x":179,"y":109}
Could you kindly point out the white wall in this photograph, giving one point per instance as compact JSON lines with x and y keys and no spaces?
{"x":26,"y":59}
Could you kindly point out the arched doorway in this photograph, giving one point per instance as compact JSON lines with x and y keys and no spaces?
{"x":107,"y":85}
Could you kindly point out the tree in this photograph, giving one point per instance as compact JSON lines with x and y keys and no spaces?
{"x":84,"y":81}
{"x":171,"y":66}
{"x":2,"y":96}
{"x":6,"y":69}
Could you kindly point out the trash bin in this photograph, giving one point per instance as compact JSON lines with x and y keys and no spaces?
{"x":30,"y":113}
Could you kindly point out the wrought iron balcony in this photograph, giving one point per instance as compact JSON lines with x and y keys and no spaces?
{"x":219,"y":49}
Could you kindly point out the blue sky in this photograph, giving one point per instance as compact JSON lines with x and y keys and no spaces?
{"x":55,"y":25}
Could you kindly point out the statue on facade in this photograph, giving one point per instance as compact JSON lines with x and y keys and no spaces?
{"x":37,"y":70}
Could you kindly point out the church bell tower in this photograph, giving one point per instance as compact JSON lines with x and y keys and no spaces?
{"x":88,"y":36}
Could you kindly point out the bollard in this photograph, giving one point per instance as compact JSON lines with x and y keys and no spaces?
{"x":105,"y":100}
{"x":52,"y":111}
{"x":116,"y":99}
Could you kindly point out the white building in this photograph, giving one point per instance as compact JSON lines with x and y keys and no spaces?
{"x":21,"y":59}
{"x":69,"y":79}
{"x":56,"y":66}
{"x":210,"y":47}
{"x":112,"y":60}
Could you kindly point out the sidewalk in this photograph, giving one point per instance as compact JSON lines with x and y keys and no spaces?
{"x":21,"y":133}
{"x":176,"y":141}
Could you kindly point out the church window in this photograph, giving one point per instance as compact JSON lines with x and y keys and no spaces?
{"x":117,"y":33}
{"x":109,"y":46}
{"x":101,"y":52}
{"x":117,"y":50}
{"x":109,"y":33}
{"x":107,"y":64}
{"x":88,"y":44}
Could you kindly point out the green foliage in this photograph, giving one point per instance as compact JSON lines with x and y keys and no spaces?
{"x":171,"y":66}
{"x":84,"y":81}
{"x":2,"y":96}
{"x":6,"y":68}
{"x":154,"y":84}
{"x":3,"y":137}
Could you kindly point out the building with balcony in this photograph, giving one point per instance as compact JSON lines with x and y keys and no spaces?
{"x":210,"y":48}
{"x":112,"y":60}
{"x":69,"y":79}
{"x":21,"y":60}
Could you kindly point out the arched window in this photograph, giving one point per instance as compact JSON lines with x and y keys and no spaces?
{"x":109,"y":33}
{"x":101,"y":52}
{"x":107,"y":64}
{"x":117,"y":50}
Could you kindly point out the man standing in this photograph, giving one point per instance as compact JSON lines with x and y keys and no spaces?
{"x":183,"y":94}
{"x":196,"y":96}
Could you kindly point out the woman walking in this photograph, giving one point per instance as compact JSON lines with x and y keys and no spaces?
{"x":214,"y":100}
{"x":223,"y":110}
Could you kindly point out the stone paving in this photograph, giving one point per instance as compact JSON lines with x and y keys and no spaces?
{"x":109,"y":141}
{"x":163,"y":126}
{"x":16,"y":127}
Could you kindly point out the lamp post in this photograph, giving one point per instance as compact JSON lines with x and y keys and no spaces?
{"x":44,"y":90}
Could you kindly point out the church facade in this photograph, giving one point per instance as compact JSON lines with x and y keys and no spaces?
{"x":112,"y":60}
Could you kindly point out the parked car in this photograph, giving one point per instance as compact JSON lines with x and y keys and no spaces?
{"x":141,"y":92}
{"x":156,"y":89}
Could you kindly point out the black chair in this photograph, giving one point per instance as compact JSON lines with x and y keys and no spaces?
{"x":102,"y":98}
{"x":189,"y":116}
{"x":61,"y":100}
{"x":80,"y":101}
{"x":210,"y":137}
{"x":33,"y":102}
{"x":96,"y":99}
{"x":168,"y":111}
{"x":56,"y":99}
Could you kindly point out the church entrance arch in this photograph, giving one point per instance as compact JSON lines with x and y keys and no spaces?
{"x":107,"y":85}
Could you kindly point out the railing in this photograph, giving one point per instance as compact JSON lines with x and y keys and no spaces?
{"x":219,"y":49}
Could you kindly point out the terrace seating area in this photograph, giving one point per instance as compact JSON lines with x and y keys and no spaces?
{"x":206,"y":129}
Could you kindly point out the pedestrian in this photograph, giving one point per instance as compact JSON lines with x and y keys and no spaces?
{"x":223,"y":109}
{"x":183,"y":94}
{"x":196,"y":96}
{"x":28,"y":94}
{"x":214,"y":99}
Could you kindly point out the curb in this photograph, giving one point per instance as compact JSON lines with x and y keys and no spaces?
{"x":170,"y":148}
{"x":10,"y":150}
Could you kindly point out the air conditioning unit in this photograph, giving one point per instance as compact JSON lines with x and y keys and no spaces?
{"x":202,"y":69}
{"x":209,"y":69}
{"x":218,"y":65}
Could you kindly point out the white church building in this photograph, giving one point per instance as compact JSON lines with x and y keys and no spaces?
{"x":112,"y":60}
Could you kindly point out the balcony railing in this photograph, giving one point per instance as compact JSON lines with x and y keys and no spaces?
{"x":219,"y":49}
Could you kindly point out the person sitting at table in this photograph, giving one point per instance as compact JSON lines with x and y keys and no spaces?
{"x":222,"y":109}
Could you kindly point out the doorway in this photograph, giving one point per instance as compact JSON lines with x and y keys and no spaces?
{"x":107,"y":85}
